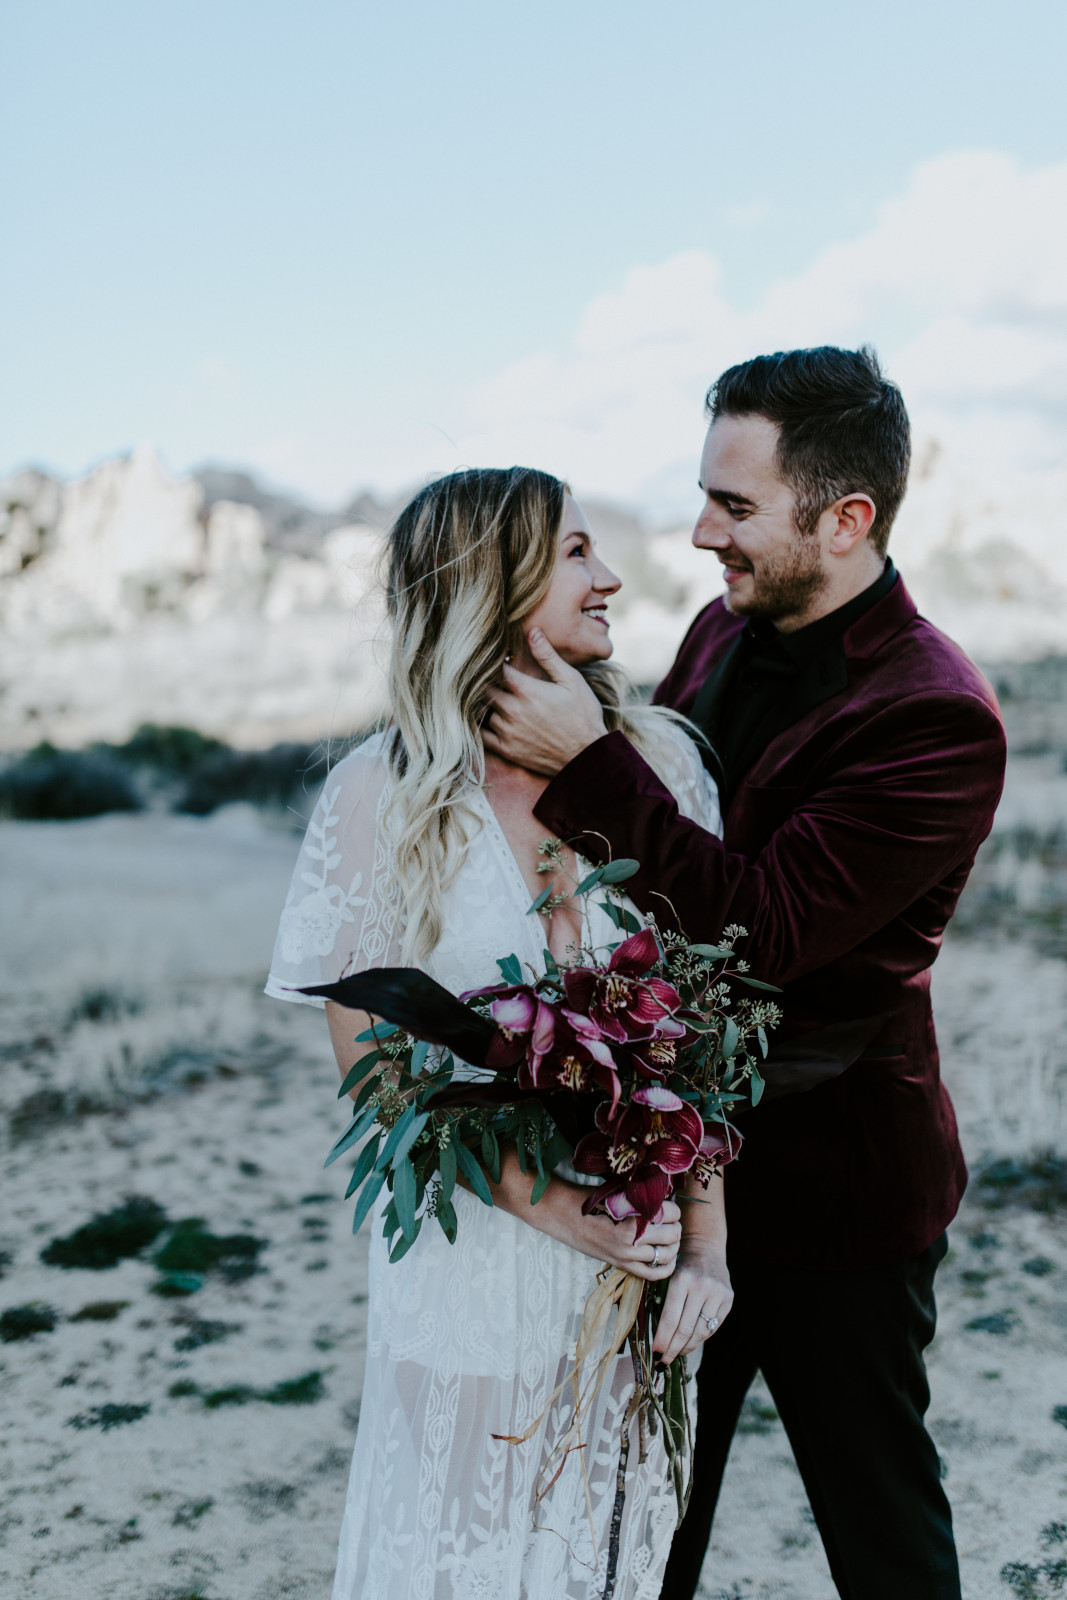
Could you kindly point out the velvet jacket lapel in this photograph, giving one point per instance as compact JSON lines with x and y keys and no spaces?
{"x":781,"y":735}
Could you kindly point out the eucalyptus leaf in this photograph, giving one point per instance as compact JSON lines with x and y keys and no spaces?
{"x":367,"y":1196}
{"x":731,"y":1035}
{"x":418,"y":1057}
{"x":447,"y":1159}
{"x":619,"y":871}
{"x":358,"y":1072}
{"x":623,"y":919}
{"x":404,"y":1243}
{"x":381,"y":1030}
{"x":402,"y":1136}
{"x":446,"y":1216}
{"x":757,"y":1086}
{"x":756,"y":983}
{"x":542,"y":900}
{"x":404,"y":1196}
{"x":473,"y":1174}
{"x":364,"y":1163}
{"x":510,"y":970}
{"x":539,"y":1187}
{"x":359,"y":1125}
{"x":390,"y":1220}
{"x":590,"y":881}
{"x":710,"y":952}
{"x":761,"y":1035}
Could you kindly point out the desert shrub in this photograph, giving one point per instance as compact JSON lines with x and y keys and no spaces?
{"x":190,"y":1248}
{"x":22,"y":1322}
{"x":174,"y":751}
{"x":100,"y":1311}
{"x":50,"y":785}
{"x":203,"y":1332}
{"x":1039,"y":1182}
{"x":283,"y":775}
{"x":106,"y":1239}
{"x":109,"y":1416}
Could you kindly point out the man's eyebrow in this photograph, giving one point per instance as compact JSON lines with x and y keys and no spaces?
{"x":726,"y":497}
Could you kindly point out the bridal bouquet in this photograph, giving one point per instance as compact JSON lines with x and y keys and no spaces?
{"x":628,"y":1062}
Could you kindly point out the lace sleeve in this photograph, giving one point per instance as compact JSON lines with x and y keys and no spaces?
{"x":342,"y":912}
{"x":679,"y":765}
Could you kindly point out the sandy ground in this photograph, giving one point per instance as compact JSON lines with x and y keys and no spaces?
{"x":136,"y":1058}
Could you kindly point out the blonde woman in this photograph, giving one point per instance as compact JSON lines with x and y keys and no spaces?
{"x":424,"y":849}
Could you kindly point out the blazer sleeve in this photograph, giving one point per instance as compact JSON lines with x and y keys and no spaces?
{"x":911,"y":794}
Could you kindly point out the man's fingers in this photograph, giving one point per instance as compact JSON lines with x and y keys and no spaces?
{"x":546,"y":657}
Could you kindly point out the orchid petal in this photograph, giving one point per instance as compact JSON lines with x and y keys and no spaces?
{"x":658,"y":1097}
{"x":635,"y":955}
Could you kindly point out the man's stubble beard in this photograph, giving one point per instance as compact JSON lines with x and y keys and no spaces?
{"x":785,"y":588}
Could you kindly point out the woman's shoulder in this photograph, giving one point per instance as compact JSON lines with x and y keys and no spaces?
{"x":675,"y":754}
{"x":360,"y":776}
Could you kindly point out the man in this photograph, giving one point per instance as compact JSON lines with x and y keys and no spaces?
{"x":860,"y":757}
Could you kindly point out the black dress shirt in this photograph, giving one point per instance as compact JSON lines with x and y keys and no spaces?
{"x":769,"y":679}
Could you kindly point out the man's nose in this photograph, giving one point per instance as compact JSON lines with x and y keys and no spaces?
{"x":709,"y":534}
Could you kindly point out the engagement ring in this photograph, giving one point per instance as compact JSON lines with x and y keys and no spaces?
{"x":655,"y":1255}
{"x":712,"y":1322}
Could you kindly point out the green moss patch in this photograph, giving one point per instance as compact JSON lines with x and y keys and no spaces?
{"x":190,"y":1247}
{"x":22,"y":1322}
{"x":100,"y":1311}
{"x":109,"y":1416}
{"x":110,"y":1237}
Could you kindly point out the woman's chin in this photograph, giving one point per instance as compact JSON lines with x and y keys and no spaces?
{"x":587,"y":657}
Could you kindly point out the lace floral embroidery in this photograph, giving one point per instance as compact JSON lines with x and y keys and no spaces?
{"x":310,"y":926}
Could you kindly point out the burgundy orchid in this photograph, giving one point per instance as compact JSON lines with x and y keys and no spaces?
{"x":625,"y":1004}
{"x":640,"y":1152}
{"x":578,"y":1060}
{"x":525,"y":1025}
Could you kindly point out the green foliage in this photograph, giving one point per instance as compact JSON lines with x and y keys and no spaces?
{"x":100,"y":1311}
{"x":50,"y":785}
{"x":109,"y":1416}
{"x":22,"y":1322}
{"x":302,"y":1391}
{"x":191,"y":1248}
{"x":998,"y":1322}
{"x":175,"y":751}
{"x":110,"y":1237}
{"x":1039,"y":1183}
{"x":1035,"y":1582}
{"x":202,"y":1332}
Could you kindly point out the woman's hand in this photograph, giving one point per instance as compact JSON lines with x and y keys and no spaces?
{"x":652,"y":1257}
{"x":559,"y":1214}
{"x":698,"y":1299}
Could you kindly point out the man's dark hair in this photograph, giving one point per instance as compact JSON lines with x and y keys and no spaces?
{"x":843,"y":427}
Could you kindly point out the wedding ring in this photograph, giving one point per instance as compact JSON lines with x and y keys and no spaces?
{"x":655,"y":1255}
{"x":712,"y":1322}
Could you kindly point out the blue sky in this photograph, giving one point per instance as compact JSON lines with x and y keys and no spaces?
{"x":340,"y":242}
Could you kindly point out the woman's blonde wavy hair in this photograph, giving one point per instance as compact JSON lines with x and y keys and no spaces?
{"x":469,"y":559}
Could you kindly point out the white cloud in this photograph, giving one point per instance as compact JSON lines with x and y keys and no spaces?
{"x":961,"y":283}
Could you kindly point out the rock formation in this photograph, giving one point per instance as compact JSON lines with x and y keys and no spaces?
{"x":134,"y":596}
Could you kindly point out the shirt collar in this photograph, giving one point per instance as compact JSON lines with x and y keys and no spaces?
{"x":803,"y":645}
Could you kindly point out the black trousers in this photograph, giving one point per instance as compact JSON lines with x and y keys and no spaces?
{"x":842,"y":1354}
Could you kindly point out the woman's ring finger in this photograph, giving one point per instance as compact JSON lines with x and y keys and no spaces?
{"x":655,"y":1255}
{"x":712,"y":1322}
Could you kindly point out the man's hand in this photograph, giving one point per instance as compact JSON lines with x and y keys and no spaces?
{"x":539,"y":724}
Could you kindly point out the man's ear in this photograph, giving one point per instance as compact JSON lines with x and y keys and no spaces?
{"x":853,"y":516}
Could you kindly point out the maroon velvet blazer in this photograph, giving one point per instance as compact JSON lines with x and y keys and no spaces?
{"x":845,"y":849}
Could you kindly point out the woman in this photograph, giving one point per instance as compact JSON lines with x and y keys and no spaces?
{"x":425,"y":849}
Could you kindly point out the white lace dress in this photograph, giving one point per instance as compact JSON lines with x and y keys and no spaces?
{"x":469,"y":1340}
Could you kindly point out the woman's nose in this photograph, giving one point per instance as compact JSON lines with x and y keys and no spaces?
{"x":605,"y":581}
